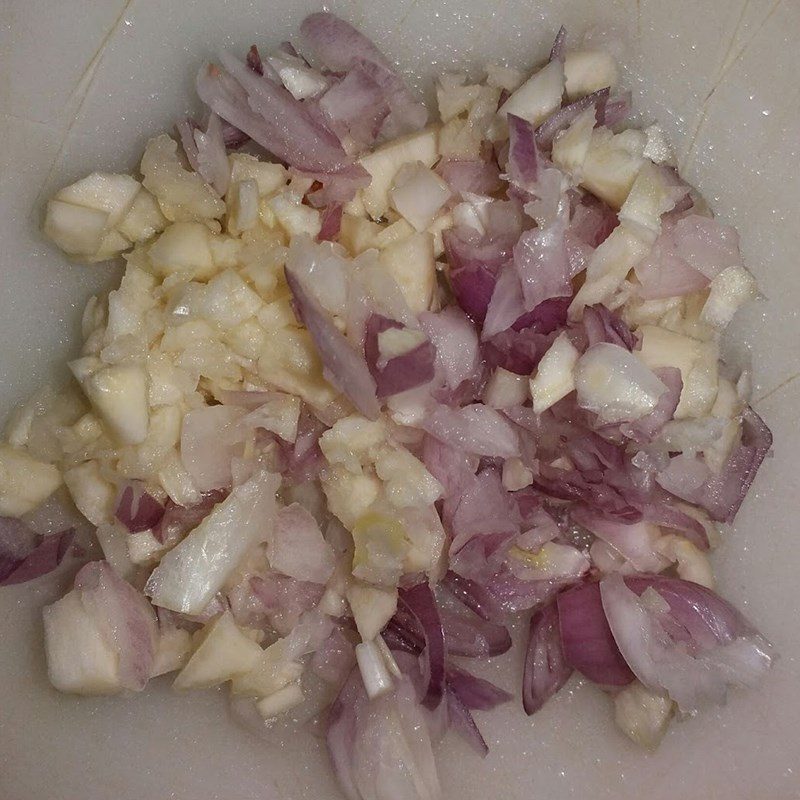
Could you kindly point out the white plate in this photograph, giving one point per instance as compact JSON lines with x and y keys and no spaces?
{"x":85,"y":82}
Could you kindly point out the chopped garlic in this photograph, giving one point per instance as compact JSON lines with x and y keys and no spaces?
{"x":410,"y":261}
{"x":281,"y":701}
{"x":586,"y":71}
{"x":222,"y":651}
{"x":506,"y":389}
{"x":642,"y":715}
{"x":516,"y":475}
{"x":384,"y":163}
{"x":407,"y":482}
{"x":24,"y":481}
{"x":539,"y":96}
{"x":93,"y":495}
{"x":555,"y":375}
{"x":372,"y":607}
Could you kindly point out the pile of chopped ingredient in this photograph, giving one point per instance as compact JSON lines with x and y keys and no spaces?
{"x":372,"y":388}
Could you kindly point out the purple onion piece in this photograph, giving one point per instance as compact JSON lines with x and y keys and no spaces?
{"x":473,"y":595}
{"x":586,"y":639}
{"x":475,"y":693}
{"x":31,"y":556}
{"x":254,"y":60}
{"x":558,"y":50}
{"x":420,"y":602}
{"x":546,"y":669}
{"x":343,"y":365}
{"x":524,"y":160}
{"x":137,"y":510}
{"x":472,"y":637}
{"x":464,"y":725}
{"x":603,"y":325}
{"x":562,"y":118}
{"x":331,"y":222}
{"x":403,"y":372}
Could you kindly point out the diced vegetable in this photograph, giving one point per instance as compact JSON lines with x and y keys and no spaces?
{"x":194,"y":571}
{"x":555,"y":375}
{"x":586,"y":71}
{"x":418,"y":193}
{"x":616,"y":384}
{"x":539,"y":96}
{"x":397,"y":384}
{"x":24,"y":481}
{"x":221,"y":652}
{"x":385,"y":162}
{"x":79,"y":659}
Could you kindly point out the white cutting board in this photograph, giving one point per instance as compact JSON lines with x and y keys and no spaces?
{"x":83,"y":83}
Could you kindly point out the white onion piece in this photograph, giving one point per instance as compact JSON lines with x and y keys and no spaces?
{"x":572,"y":144}
{"x":372,"y":608}
{"x":505,"y":389}
{"x":223,"y":653}
{"x":77,"y":230}
{"x":212,"y":158}
{"x":551,"y":561}
{"x":516,"y":475}
{"x":211,"y":436}
{"x":539,"y":96}
{"x":615,"y":384}
{"x":586,"y":71}
{"x":24,"y":481}
{"x":119,"y":393}
{"x":79,"y":659}
{"x":608,"y":267}
{"x":278,"y":413}
{"x":612,"y":163}
{"x":410,"y":264}
{"x":374,"y":670}
{"x":297,"y":76}
{"x":384,"y":163}
{"x":555,"y":375}
{"x":172,"y":652}
{"x":194,"y":571}
{"x":475,"y":428}
{"x":271,"y":671}
{"x":691,"y":563}
{"x":295,"y":546}
{"x":243,"y":206}
{"x":417,"y":194}
{"x":281,"y":701}
{"x":456,"y":343}
{"x":109,"y":192}
{"x":388,"y":657}
{"x":307,"y":636}
{"x":113,"y":539}
{"x":323,"y":270}
{"x":730,"y":290}
{"x":650,"y":197}
{"x":406,"y":481}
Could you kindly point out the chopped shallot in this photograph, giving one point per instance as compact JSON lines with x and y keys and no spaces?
{"x":375,"y":390}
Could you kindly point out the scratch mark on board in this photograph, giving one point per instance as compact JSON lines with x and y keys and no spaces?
{"x":727,"y":64}
{"x":78,"y":96}
{"x":775,"y":389}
